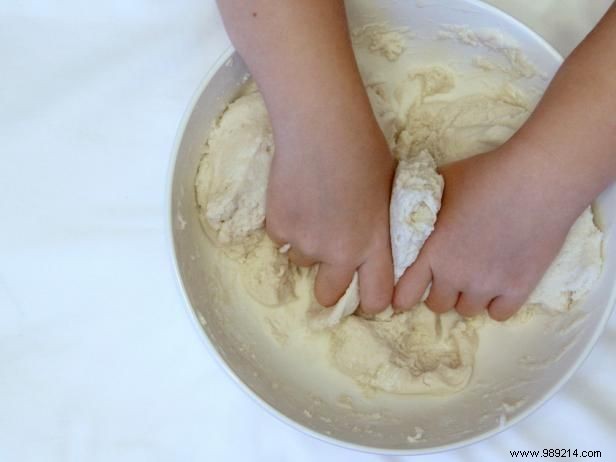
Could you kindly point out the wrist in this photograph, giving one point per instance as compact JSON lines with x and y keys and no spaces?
{"x":336,"y":113}
{"x":546,"y":179}
{"x":326,"y":96}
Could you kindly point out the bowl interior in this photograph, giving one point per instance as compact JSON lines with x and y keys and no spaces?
{"x":504,"y":388}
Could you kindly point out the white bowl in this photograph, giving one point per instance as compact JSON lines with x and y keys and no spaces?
{"x":383,"y":425}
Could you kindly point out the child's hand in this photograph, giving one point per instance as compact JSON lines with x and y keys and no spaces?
{"x":506,"y":214}
{"x":332,"y":171}
{"x":328,"y":198}
{"x":498,"y":230}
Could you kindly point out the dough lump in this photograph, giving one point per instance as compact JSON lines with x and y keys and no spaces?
{"x":415,"y":202}
{"x":414,"y":352}
{"x":426,"y":124}
{"x":232,"y":178}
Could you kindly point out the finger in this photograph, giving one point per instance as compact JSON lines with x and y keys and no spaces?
{"x":503,"y":307}
{"x":295,"y":256}
{"x":331,"y":283}
{"x":470,"y":304}
{"x":275,"y":236}
{"x":443,"y":296}
{"x":412,"y":285}
{"x":376,"y":282}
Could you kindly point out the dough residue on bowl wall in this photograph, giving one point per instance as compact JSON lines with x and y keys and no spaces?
{"x":430,"y":114}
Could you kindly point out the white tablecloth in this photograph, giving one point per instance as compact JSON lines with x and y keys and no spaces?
{"x":98,"y":360}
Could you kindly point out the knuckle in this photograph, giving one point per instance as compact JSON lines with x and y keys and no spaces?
{"x":307,"y":244}
{"x":517,"y":291}
{"x":484,"y":285}
{"x":342,"y":254}
{"x":277,"y":225}
{"x":277,"y":234}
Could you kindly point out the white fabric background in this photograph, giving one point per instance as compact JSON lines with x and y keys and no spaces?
{"x":98,"y":360}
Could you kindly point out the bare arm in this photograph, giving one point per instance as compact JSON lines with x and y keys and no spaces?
{"x":298,"y":51}
{"x":571,"y":136}
{"x":506,"y":214}
{"x":328,"y":194}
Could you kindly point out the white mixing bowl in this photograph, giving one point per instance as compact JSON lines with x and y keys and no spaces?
{"x":520,"y":377}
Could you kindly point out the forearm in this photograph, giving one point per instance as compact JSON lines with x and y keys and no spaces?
{"x":299,"y":52}
{"x":571,"y":136}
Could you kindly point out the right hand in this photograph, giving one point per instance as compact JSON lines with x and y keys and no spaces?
{"x":328,"y":197}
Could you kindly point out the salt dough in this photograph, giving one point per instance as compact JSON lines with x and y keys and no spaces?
{"x":267,"y":274}
{"x":411,"y":353}
{"x":415,"y":202}
{"x":232,"y":178}
{"x":426,"y":124}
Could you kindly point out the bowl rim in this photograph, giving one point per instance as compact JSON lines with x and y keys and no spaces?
{"x":229,"y":53}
